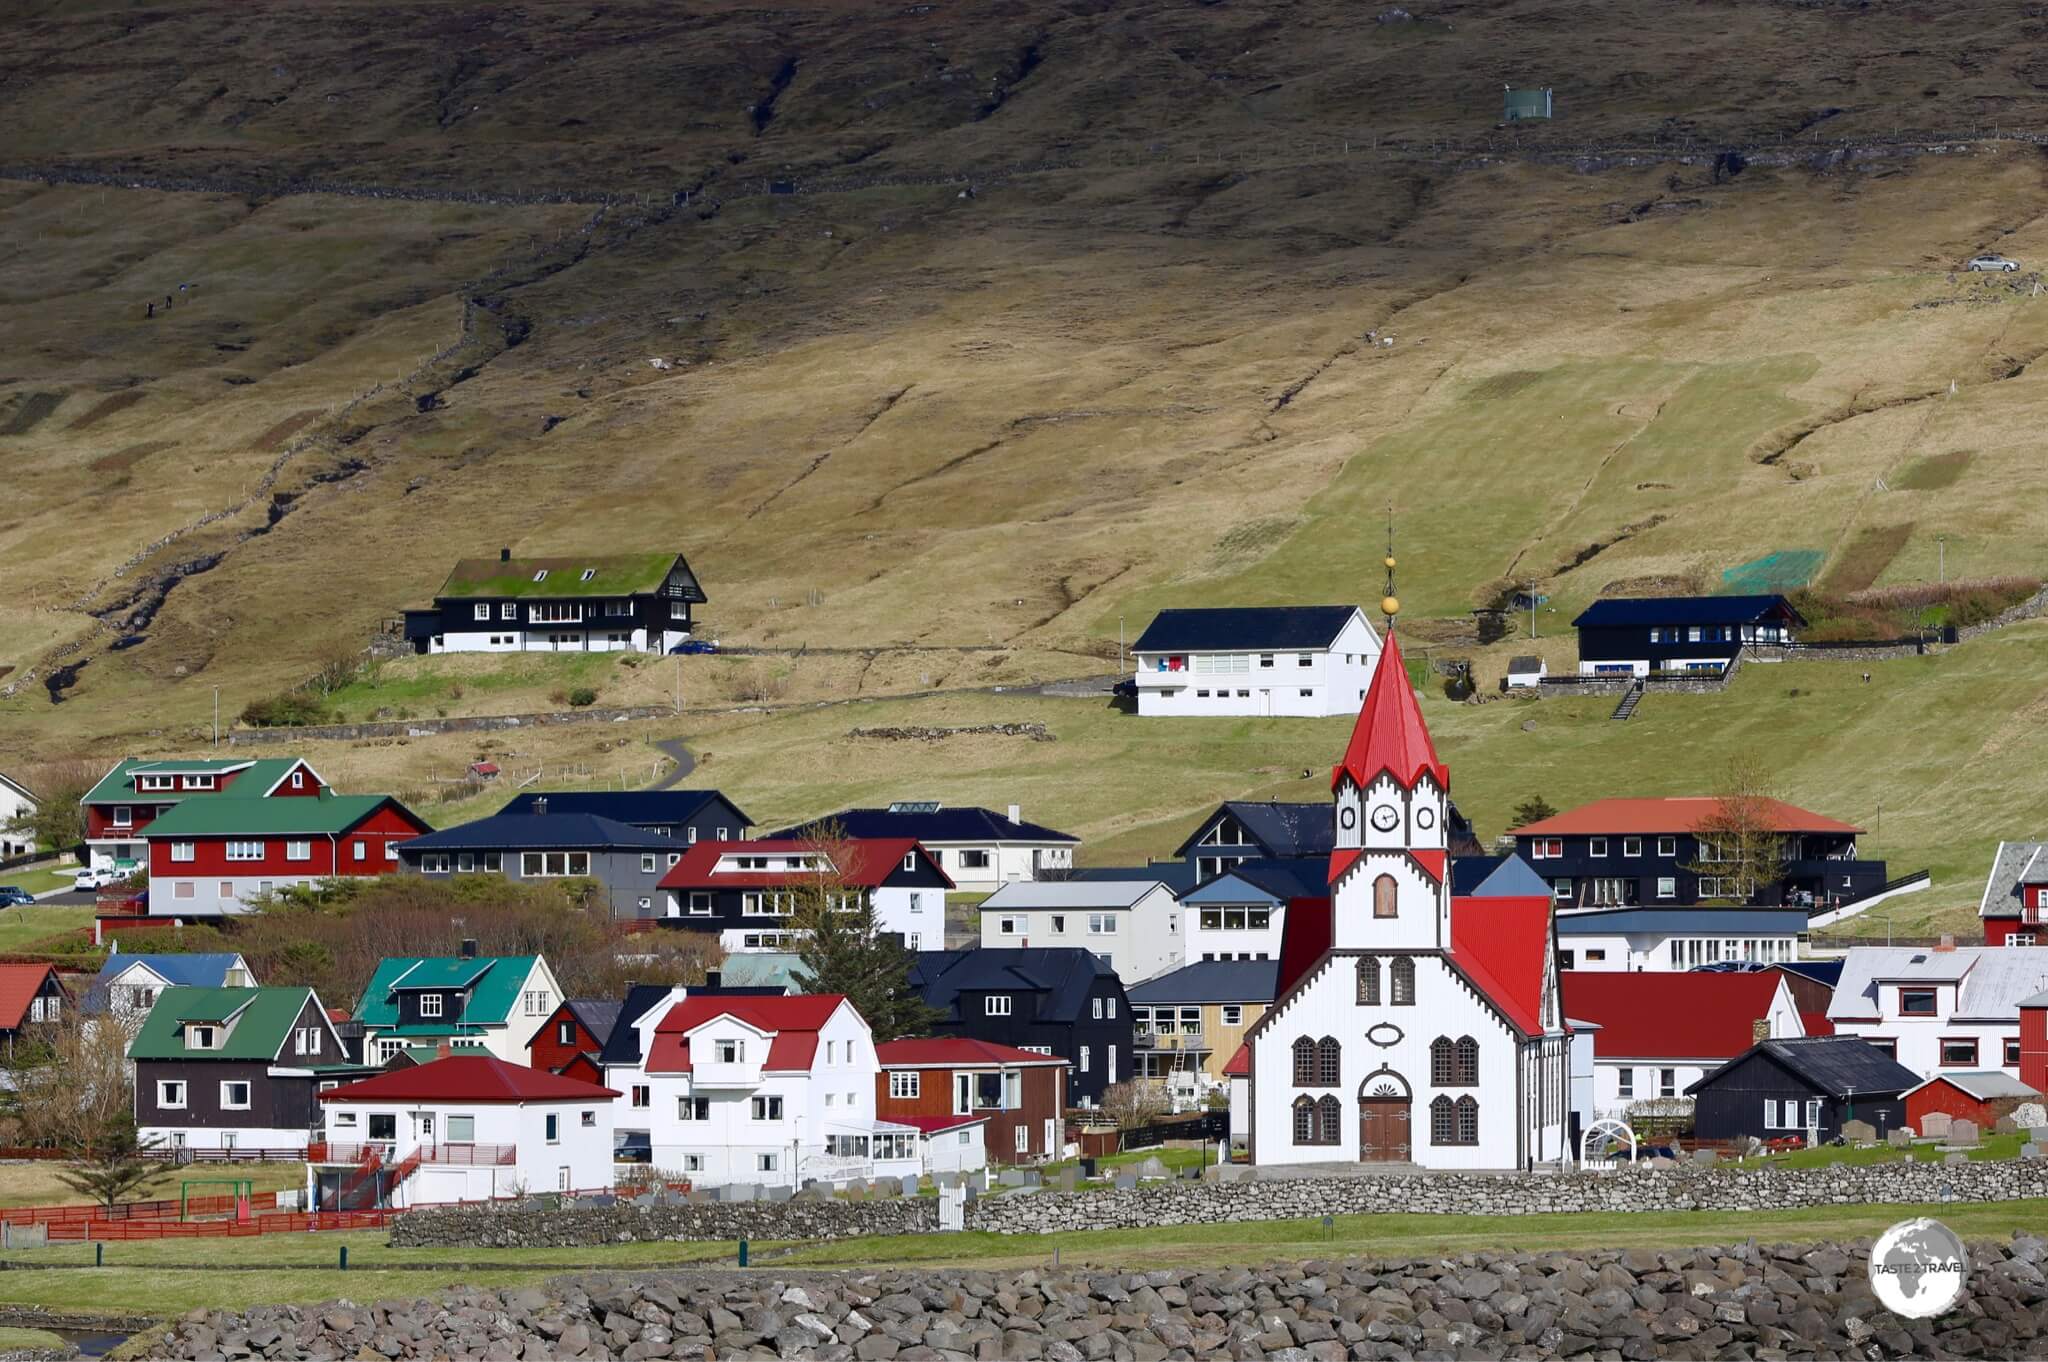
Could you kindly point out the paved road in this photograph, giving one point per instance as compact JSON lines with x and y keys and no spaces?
{"x":68,"y":898}
{"x":685,"y":763}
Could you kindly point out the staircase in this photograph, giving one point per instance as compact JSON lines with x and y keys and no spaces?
{"x":368,"y":1170}
{"x":1632,"y":697}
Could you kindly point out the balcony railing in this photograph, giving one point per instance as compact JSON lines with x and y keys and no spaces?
{"x":460,"y":1153}
{"x":1179,"y":1040}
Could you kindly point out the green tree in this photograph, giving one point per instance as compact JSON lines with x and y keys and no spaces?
{"x":841,"y":944}
{"x":110,"y":1163}
{"x":1534,"y":809}
{"x":1739,"y":842}
{"x":57,"y":821}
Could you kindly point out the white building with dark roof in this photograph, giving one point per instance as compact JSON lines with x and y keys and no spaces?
{"x":1307,"y":661}
{"x":1133,"y":925}
{"x":1938,"y":1008}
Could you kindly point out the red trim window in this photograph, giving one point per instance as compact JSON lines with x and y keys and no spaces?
{"x":1959,"y":1052}
{"x":2012,"y":1052}
{"x":1541,"y":847}
{"x":1917,"y":1002}
{"x":1884,"y":1045}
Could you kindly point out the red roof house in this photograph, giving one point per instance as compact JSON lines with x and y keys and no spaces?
{"x":1699,"y":1015}
{"x":1021,"y":1094}
{"x":468,"y":1079}
{"x":1980,"y":1095}
{"x":30,"y":995}
{"x":790,"y":1022}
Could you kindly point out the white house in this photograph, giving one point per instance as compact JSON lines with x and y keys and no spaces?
{"x":1308,"y":661}
{"x":15,"y":802}
{"x":1526,"y":672}
{"x":980,"y":849}
{"x":464,"y":1128}
{"x":770,"y":1090}
{"x":492,"y":1002}
{"x":749,"y":892}
{"x":1654,"y":1035}
{"x":1241,"y":914}
{"x":1429,"y":1030}
{"x":1936,"y":1008}
{"x":128,"y":985}
{"x":1669,"y":939}
{"x":1134,"y":925}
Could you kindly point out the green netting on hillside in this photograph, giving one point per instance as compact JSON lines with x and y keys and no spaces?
{"x":1785,"y":570}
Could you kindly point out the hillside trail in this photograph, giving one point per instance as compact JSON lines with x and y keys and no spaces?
{"x":685,"y":762}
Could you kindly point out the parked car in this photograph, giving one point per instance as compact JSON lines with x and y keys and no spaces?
{"x":1993,"y":263}
{"x":90,"y":878}
{"x":13,"y":896}
{"x":694,"y":647}
{"x":1126,"y":689}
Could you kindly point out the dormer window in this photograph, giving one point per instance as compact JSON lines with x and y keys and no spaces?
{"x":1917,"y":1002}
{"x":910,"y":861}
{"x":541,"y":576}
{"x":298,"y":780}
{"x":730,"y":1051}
{"x":202,"y":1037}
{"x":430,"y":1004}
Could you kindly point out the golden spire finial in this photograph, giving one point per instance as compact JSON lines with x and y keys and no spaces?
{"x":1390,"y":604}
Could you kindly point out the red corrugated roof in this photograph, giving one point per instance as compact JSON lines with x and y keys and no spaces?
{"x":1693,"y":1015}
{"x":469,"y":1078}
{"x":1390,"y":735}
{"x":1817,"y":1023}
{"x":1432,"y":860}
{"x":1342,"y":860}
{"x":792,"y":1021}
{"x":934,"y":1051}
{"x":869,"y":862}
{"x":1240,"y":1065}
{"x":19,"y":985}
{"x":1638,"y":816}
{"x":1503,"y":946}
{"x":933,"y":1125}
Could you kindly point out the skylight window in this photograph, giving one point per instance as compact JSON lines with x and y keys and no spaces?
{"x":541,"y":576}
{"x":588,"y":573}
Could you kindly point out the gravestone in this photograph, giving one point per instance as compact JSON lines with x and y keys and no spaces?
{"x":1901,"y":1138}
{"x":1152,"y":1168}
{"x":1935,"y":1124}
{"x":947,"y":1178}
{"x":909,"y":1183}
{"x":1962,"y":1133}
{"x":742,"y":1191}
{"x":857,"y":1189}
{"x":2030,"y":1116}
{"x":972,"y":1191}
{"x":2033,"y":1151}
{"x":886,"y":1187}
{"x":779,"y":1194}
{"x":1069,"y":1178}
{"x":1011,"y":1177}
{"x":1127,"y":1182}
{"x":2038,"y":1135}
{"x":1859,"y":1132}
{"x":1033,"y":1178}
{"x":2004,"y":1125}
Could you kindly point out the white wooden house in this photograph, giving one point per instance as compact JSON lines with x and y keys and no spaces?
{"x":1308,"y":661}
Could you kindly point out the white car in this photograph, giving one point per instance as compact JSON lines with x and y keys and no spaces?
{"x":1996,"y":263}
{"x":89,"y":878}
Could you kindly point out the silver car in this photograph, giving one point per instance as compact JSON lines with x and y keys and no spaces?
{"x":1983,"y":263}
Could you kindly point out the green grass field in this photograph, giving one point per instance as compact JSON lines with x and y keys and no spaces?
{"x":168,"y":1278}
{"x":37,"y":928}
{"x":41,"y":1183}
{"x":1993,"y":1147}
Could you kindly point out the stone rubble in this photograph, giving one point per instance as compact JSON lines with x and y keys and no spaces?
{"x":1763,"y":1302}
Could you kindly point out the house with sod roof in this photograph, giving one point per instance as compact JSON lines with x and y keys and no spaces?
{"x":1657,"y":1034}
{"x":32,"y":999}
{"x":127,"y":799}
{"x":972,"y":1100}
{"x":235,"y":1068}
{"x":494,"y":1002}
{"x":1427,"y":1030}
{"x":763,"y":1090}
{"x":460,"y":1128}
{"x":212,"y":857}
{"x":593,"y":603}
{"x":748,"y":892}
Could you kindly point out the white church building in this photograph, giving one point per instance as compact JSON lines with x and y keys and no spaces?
{"x":1428,"y":1032}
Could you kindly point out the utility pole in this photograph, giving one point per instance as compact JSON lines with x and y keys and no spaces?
{"x":216,"y":716}
{"x":1941,"y":557}
{"x":1122,"y":661}
{"x":1532,"y":610}
{"x":679,"y":685}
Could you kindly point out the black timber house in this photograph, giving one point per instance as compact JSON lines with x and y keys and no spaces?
{"x":1054,"y":1000}
{"x":638,"y":602}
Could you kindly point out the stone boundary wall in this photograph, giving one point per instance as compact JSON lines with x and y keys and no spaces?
{"x":2034,"y":605}
{"x":421,"y":728}
{"x":1198,"y":1203}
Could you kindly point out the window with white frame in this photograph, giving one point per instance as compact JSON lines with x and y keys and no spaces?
{"x":648,"y":864}
{"x":693,"y":1108}
{"x":244,"y":851}
{"x":508,"y":611}
{"x":700,"y":905}
{"x":433,"y":863}
{"x":1596,"y":846}
{"x":182,"y":851}
{"x":1631,"y":846}
{"x":1102,"y":924}
{"x":552,"y":1128}
{"x":996,"y":1005}
{"x":729,"y":1051}
{"x":1233,"y":1014}
{"x":767,"y":1108}
{"x":430,"y":1004}
{"x":544,"y":864}
{"x":1667,"y":887}
{"x":298,"y":850}
{"x":537,"y":1003}
{"x":1624,"y":1081}
{"x":1023,"y":1138}
{"x":124,"y":816}
{"x":483,"y":610}
{"x":170,"y":1093}
{"x":234,"y":1095}
{"x":1084,"y":1059}
{"x":306,"y":1040}
{"x":905,"y":1083}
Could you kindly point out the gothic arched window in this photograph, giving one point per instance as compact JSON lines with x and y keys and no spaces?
{"x":1468,"y":1062}
{"x":1304,"y":1062}
{"x":1404,"y":980}
{"x":1329,"y":1062}
{"x":1442,"y":1062}
{"x":1468,"y":1120}
{"x":1304,"y":1120}
{"x":1369,"y":980}
{"x":1443,"y":1126}
{"x":1385,"y":896}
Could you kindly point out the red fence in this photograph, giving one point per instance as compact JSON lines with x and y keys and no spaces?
{"x":467,"y":1153}
{"x":166,"y":1209}
{"x":283,"y":1222}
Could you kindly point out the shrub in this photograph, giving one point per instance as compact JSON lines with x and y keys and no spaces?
{"x":582,"y":696}
{"x":288,"y":709}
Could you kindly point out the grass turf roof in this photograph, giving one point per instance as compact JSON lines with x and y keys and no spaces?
{"x":622,"y":574}
{"x":266,"y":1018}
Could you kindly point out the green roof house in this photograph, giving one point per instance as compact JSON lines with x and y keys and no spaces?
{"x":235,"y":1068}
{"x":579,"y":603}
{"x":210,"y":857}
{"x":127,"y":799}
{"x":492,"y":1002}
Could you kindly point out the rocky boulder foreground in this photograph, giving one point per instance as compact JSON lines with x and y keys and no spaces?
{"x":1783,"y":1301}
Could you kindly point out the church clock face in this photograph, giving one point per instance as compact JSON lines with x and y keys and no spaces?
{"x":1424,"y":818}
{"x":1384,"y":817}
{"x":1347,"y":818}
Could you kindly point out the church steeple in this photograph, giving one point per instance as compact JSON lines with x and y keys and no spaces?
{"x":1390,"y":735}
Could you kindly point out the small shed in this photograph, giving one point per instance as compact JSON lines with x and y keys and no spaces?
{"x":1526,"y":671}
{"x":1519,"y":106}
{"x":1980,"y":1095}
{"x":1778,"y":1088}
{"x":484,"y":770}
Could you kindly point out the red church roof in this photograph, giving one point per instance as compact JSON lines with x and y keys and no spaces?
{"x":792,"y":1020}
{"x":469,"y":1078}
{"x":1503,"y":946}
{"x":1390,"y":735}
{"x":1240,"y":1065}
{"x":1691,"y":1015}
{"x":930,"y":1052}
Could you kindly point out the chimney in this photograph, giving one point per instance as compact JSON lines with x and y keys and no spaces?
{"x":469,"y":948}
{"x":712,"y":977}
{"x":504,"y":555}
{"x":442,"y":1049}
{"x":1760,"y":1030}
{"x":540,"y":804}
{"x":1947,"y":942}
{"x":1016,"y":813}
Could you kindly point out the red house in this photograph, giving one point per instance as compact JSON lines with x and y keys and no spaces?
{"x":1022,"y":1094}
{"x":31,"y":996}
{"x":127,"y":799}
{"x":2014,"y":908}
{"x":2034,"y":1042}
{"x":571,"y":1039}
{"x":1982,"y":1097}
{"x":209,"y":857}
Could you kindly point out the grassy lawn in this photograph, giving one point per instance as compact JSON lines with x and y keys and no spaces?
{"x":34,"y":928}
{"x":1993,"y":1147}
{"x":39,"y":1184}
{"x":24,"y":1340}
{"x":169,"y":1278}
{"x":463,"y":683}
{"x":40,"y":879}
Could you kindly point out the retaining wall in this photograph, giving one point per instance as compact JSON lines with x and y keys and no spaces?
{"x":420,"y":728}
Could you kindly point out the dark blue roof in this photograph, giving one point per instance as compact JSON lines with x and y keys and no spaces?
{"x":1244,"y":628}
{"x":1837,"y":1065}
{"x":1277,"y":829}
{"x":1212,"y":981}
{"x":641,"y":808}
{"x":623,"y":1045}
{"x":1827,"y":972}
{"x":1733,"y":921}
{"x":1469,"y":872}
{"x":1627,"y":611}
{"x":1179,"y":876}
{"x":941,"y":825}
{"x":1064,"y":973}
{"x":1280,"y":878}
{"x":537,"y":832}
